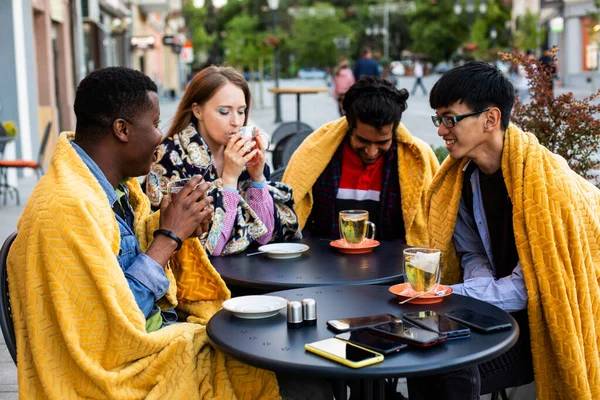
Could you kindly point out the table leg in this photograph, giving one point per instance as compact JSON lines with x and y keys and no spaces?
{"x":367,"y":389}
{"x":340,"y":389}
{"x":298,"y":112}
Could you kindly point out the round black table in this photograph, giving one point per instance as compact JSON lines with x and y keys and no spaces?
{"x":269,"y":344}
{"x":321,"y":265}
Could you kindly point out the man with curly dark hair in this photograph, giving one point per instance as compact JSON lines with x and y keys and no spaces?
{"x":366,"y":160}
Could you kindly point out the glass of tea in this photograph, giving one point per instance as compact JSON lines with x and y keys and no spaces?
{"x":422,"y":268}
{"x":353,"y":227}
{"x":251,"y":132}
{"x":174,"y":187}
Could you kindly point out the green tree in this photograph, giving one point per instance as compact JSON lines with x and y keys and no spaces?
{"x":435,"y":30}
{"x":312,"y":35}
{"x":528,"y":34}
{"x":244,"y":45}
{"x":195,"y":18}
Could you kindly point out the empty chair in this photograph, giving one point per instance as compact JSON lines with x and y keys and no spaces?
{"x":277,"y":175}
{"x":288,"y":128}
{"x":37,"y":166}
{"x":292,"y":145}
{"x":6,"y":322}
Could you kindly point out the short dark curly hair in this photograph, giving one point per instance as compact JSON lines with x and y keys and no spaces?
{"x":109,"y":94}
{"x":374,"y":101}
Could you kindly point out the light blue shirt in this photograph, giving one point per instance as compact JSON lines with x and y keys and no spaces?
{"x":146,"y":277}
{"x":472,"y":242}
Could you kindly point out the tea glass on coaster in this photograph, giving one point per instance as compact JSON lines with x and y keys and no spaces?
{"x":422,"y":268}
{"x":353,"y":227}
{"x":250,"y":132}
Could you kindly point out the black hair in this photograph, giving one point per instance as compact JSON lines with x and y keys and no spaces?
{"x":109,"y":94}
{"x":477,"y":84}
{"x":374,"y":101}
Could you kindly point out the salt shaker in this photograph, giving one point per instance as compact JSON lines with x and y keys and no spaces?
{"x":294,"y":314}
{"x":309,"y":312}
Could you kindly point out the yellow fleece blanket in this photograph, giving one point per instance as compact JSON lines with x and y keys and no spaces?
{"x":417,"y":165}
{"x":557,"y":232}
{"x":80,"y":333}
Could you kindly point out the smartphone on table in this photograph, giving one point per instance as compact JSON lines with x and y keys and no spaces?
{"x":348,"y":324}
{"x":408,"y":333}
{"x":365,"y":338}
{"x":438,"y":323}
{"x":346,"y":353}
{"x":479,"y":322}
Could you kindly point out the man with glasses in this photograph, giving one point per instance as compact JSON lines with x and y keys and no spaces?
{"x":366,"y":160}
{"x":519,"y":229}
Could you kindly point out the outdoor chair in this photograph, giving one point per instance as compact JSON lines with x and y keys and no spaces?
{"x":277,"y":175}
{"x":37,"y":166}
{"x":280,"y":157}
{"x":6,"y":322}
{"x":292,"y":145}
{"x":288,"y":128}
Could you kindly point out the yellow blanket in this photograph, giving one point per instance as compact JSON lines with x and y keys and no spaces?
{"x":417,"y":165}
{"x":80,"y":333}
{"x":557,"y":232}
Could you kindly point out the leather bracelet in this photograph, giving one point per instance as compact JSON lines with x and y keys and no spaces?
{"x":169,"y":234}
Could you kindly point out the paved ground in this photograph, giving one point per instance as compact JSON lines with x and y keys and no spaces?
{"x":316,"y":110}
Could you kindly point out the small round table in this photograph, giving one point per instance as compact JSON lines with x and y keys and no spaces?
{"x":321,"y":265}
{"x":298,"y":92}
{"x":268,"y":343}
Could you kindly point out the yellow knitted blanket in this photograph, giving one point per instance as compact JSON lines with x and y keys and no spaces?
{"x":557,"y":232}
{"x":80,"y":333}
{"x":417,"y":165}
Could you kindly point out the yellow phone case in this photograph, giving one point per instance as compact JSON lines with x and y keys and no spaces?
{"x":377,"y":357}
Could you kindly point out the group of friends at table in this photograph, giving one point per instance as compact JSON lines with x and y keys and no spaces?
{"x":111,"y":283}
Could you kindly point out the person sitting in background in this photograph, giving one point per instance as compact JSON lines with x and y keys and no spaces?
{"x":520,"y":230}
{"x":366,"y":65}
{"x":342,"y":80}
{"x":205,"y":139}
{"x":365,"y":160}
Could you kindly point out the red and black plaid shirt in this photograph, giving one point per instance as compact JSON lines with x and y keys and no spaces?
{"x":323,"y":219}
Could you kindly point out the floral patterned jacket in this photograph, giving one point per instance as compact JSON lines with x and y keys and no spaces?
{"x":185,"y":155}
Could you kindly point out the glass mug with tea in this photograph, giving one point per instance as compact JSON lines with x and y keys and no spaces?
{"x":422,"y":268}
{"x":250,"y":132}
{"x":353,"y":227}
{"x":174,"y":187}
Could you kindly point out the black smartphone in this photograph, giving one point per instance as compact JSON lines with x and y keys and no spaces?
{"x":438,"y":323}
{"x":480,"y":322}
{"x":408,"y":333}
{"x":369,"y":340}
{"x":348,"y":324}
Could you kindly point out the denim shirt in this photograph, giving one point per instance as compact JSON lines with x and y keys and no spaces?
{"x":472,"y":242}
{"x":146,"y":277}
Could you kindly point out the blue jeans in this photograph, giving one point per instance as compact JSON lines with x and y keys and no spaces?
{"x":511,"y":369}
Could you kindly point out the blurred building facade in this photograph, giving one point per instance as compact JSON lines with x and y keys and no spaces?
{"x":569,"y":26}
{"x":50,"y":45}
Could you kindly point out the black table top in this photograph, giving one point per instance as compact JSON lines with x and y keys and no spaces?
{"x":322,"y":265}
{"x":269,"y":344}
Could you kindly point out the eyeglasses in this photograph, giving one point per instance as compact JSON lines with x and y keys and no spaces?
{"x":449,"y":122}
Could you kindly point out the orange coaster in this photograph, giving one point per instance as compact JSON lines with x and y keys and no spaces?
{"x":404,"y":291}
{"x":365,"y":247}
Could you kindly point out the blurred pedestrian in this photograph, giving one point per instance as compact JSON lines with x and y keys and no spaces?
{"x":547,"y":60}
{"x":342,"y":80}
{"x":418,"y":71}
{"x":366,"y":65}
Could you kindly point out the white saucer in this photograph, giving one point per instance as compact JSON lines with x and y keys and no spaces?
{"x":254,"y":307}
{"x":284,"y":250}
